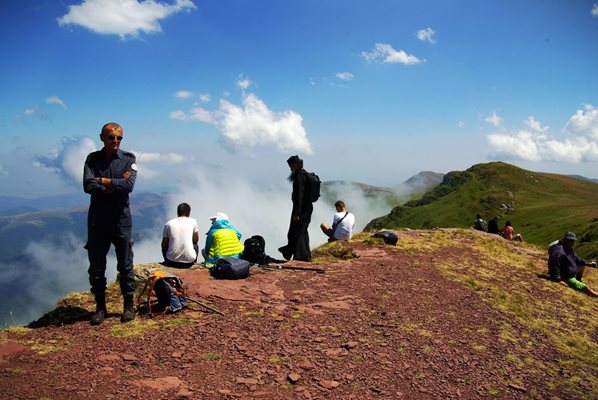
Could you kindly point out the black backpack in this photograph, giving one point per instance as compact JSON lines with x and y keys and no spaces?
{"x":313,"y":186}
{"x":255,"y":250}
{"x":230,"y":268}
{"x":388,"y":237}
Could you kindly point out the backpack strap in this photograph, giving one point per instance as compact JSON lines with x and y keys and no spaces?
{"x":339,"y":221}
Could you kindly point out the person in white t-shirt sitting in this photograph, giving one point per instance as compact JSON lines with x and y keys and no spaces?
{"x":180,"y":237}
{"x":342,"y":224}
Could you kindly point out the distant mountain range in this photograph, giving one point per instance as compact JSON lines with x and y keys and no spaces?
{"x":541,"y":206}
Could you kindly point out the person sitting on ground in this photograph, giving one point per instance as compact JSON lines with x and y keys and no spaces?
{"x":509,"y":233}
{"x":342,"y":224}
{"x":224,"y":240}
{"x":479,"y":224}
{"x":180,"y":237}
{"x":566,"y":267}
{"x":493,"y":226}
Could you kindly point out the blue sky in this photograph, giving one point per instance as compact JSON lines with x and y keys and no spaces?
{"x":367,"y":91}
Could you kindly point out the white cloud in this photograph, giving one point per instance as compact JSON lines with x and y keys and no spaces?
{"x":122,"y":17}
{"x":55,"y":100}
{"x":594,"y":10}
{"x":162,"y":158}
{"x":183,"y":94}
{"x":344,"y":76}
{"x":536,"y":126}
{"x":244,"y":83}
{"x":533,"y":143}
{"x":494,"y":119}
{"x":3,"y":171}
{"x":31,"y":111}
{"x":461,"y":124}
{"x":252,"y":124}
{"x":68,"y":160}
{"x":386,"y":54}
{"x":426,"y":35}
{"x":178,"y":114}
{"x":584,"y":122}
{"x":205,"y":97}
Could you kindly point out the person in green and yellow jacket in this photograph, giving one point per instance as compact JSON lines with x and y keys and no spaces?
{"x":224,"y":240}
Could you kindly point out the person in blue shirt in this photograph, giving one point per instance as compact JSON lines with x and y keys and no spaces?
{"x":108,"y":177}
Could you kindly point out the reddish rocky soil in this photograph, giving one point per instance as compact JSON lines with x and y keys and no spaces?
{"x":373,"y":327}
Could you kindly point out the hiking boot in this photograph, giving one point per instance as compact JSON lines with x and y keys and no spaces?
{"x":128,"y":310}
{"x":283,"y":250}
{"x":101,"y":313}
{"x":98,"y":317}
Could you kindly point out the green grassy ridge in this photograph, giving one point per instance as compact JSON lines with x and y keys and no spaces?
{"x":541,"y":206}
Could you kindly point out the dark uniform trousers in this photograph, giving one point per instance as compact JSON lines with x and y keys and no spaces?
{"x":99,"y":239}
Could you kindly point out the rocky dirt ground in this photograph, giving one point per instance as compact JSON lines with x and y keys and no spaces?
{"x":392,"y":322}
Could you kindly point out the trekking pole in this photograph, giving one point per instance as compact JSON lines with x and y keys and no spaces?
{"x":278,"y":266}
{"x":209,"y":307}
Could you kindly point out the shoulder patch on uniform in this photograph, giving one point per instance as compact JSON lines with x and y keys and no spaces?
{"x":134,"y":167}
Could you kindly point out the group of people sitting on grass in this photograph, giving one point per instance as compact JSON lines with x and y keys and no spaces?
{"x":492,"y":227}
{"x":180,"y":236}
{"x":564,"y":265}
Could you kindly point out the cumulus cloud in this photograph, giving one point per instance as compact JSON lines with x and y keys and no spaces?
{"x":122,"y":17}
{"x":205,"y":97}
{"x":533,"y":142}
{"x":594,"y":10}
{"x":344,"y":76}
{"x":426,"y":35}
{"x":494,"y":119}
{"x":252,"y":124}
{"x":584,"y":122}
{"x":386,"y":54}
{"x":55,"y":100}
{"x":68,"y":160}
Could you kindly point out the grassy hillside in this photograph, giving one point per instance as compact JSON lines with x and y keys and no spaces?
{"x":541,"y":206}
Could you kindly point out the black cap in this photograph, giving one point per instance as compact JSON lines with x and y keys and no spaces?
{"x":294,"y":160}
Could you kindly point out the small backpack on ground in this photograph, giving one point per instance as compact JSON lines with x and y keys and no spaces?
{"x":313,"y":185}
{"x":387,"y":236}
{"x":230,"y":268}
{"x":163,"y":293}
{"x":255,"y":250}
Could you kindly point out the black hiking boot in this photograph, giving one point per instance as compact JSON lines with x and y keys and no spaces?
{"x":101,"y":313}
{"x":98,"y":317}
{"x":128,"y":310}
{"x":284,"y":251}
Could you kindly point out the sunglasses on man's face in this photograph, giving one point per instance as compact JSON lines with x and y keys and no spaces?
{"x":115,"y":137}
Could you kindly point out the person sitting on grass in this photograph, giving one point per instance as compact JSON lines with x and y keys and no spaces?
{"x":509,"y":233}
{"x":566,"y":267}
{"x":342,"y":224}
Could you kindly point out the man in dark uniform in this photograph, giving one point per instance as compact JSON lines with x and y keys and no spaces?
{"x":109,"y":176}
{"x":298,"y":237}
